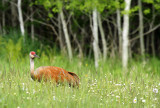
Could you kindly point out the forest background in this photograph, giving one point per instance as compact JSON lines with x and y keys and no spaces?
{"x":88,"y":28}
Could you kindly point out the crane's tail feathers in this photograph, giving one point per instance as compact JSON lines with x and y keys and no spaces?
{"x":75,"y":76}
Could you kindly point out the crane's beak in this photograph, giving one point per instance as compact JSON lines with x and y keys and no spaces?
{"x":36,"y":56}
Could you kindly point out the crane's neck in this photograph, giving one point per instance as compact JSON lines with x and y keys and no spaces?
{"x":32,"y":67}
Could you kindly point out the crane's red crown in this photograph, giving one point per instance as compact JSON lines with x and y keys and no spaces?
{"x":33,"y":53}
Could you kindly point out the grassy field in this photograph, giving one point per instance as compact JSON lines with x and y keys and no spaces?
{"x":108,"y":86}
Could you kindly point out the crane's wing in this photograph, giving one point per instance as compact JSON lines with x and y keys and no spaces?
{"x":75,"y":76}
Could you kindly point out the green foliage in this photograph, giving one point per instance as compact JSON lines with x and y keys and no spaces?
{"x":147,"y":11}
{"x":131,"y":11}
{"x":13,"y":50}
{"x":50,"y":15}
{"x":134,"y":9}
{"x":155,"y":3}
{"x":157,"y":6}
{"x":149,"y":1}
{"x":83,"y":5}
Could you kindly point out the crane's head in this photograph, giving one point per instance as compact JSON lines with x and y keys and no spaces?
{"x":32,"y":55}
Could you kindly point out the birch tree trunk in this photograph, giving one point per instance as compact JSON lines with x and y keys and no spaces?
{"x":95,"y":38}
{"x":13,"y":13}
{"x":141,"y":29}
{"x":20,"y":17}
{"x":125,"y":34}
{"x":60,"y":35}
{"x":65,"y":30}
{"x":119,"y":30}
{"x":103,"y":37}
{"x":3,"y":18}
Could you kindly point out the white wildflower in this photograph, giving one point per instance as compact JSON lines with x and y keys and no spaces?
{"x":143,"y":101}
{"x":155,"y":90}
{"x":131,"y":83}
{"x":34,"y":91}
{"x":54,"y":98}
{"x":95,"y":80}
{"x":117,"y":96}
{"x":141,"y":98}
{"x":118,"y":84}
{"x":155,"y":99}
{"x":105,"y":76}
{"x":26,"y":89}
{"x":23,"y":86}
{"x":135,"y":100}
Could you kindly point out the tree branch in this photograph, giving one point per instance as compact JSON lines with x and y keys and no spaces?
{"x":151,"y":30}
{"x":49,"y":25}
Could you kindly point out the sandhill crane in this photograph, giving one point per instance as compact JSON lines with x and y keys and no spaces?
{"x":57,"y":74}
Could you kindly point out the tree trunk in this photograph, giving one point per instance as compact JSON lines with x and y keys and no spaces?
{"x":152,"y":34}
{"x":147,"y":43}
{"x":80,"y":55}
{"x":32,"y":25}
{"x":129,"y":51}
{"x":65,"y":30}
{"x":20,"y":17}
{"x":125,"y":34}
{"x":119,"y":30}
{"x":103,"y":37}
{"x":14,"y":13}
{"x":0,"y":29}
{"x":3,"y":18}
{"x":60,"y":35}
{"x":141,"y":30}
{"x":95,"y":38}
{"x":152,"y":44}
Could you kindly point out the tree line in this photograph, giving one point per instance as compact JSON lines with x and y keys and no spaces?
{"x":99,"y":28}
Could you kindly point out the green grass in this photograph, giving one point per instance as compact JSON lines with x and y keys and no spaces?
{"x":105,"y":87}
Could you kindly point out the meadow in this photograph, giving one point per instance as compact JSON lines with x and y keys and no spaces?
{"x":106,"y":87}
